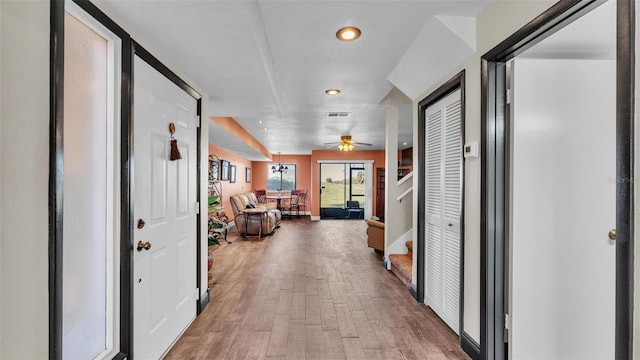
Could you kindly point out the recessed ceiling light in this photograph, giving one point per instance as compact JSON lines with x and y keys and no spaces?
{"x":332,"y":91}
{"x":404,"y":143}
{"x":265,"y":129}
{"x":260,"y":122}
{"x":348,"y":33}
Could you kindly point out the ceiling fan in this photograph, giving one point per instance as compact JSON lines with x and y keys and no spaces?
{"x":345,"y":143}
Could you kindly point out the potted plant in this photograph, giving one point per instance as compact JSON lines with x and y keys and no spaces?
{"x":216,"y":226}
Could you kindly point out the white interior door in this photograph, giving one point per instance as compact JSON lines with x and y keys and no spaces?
{"x":563,"y":205}
{"x":164,"y":197}
{"x":443,"y":208}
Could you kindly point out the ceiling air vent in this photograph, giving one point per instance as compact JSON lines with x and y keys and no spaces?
{"x":333,"y":115}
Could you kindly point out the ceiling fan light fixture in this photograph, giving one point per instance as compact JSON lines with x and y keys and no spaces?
{"x":348,"y":33}
{"x":332,"y":91}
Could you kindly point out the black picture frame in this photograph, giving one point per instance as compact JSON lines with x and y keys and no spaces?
{"x":232,"y":173}
{"x":214,"y":170}
{"x":247,"y":175}
{"x":224,"y":170}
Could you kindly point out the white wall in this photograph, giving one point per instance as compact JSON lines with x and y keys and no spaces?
{"x":499,"y":20}
{"x":402,"y":212}
{"x":24,"y":159}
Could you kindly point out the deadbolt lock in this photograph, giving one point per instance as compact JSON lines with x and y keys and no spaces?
{"x":143,"y":245}
{"x":141,"y":223}
{"x":612,"y":234}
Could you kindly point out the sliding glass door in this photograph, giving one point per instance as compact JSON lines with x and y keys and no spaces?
{"x":342,"y":194}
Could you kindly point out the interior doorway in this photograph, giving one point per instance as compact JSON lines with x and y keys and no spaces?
{"x":562,"y":194}
{"x":525,"y":190}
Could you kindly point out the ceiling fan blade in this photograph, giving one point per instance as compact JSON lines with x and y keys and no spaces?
{"x":333,"y":143}
{"x":361,"y":143}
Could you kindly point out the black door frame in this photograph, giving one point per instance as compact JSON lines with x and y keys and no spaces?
{"x":453,"y":84}
{"x":493,"y":179}
{"x":56,"y":174}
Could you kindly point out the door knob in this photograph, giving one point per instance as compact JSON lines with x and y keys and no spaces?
{"x":143,"y":245}
{"x":612,"y":234}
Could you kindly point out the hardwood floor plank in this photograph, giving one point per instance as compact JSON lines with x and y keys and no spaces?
{"x":374,"y":354}
{"x":311,"y":285}
{"x":299,"y":284}
{"x":296,"y":342}
{"x":333,"y":345}
{"x":324,"y":291}
{"x":353,"y":349}
{"x":298,"y":305}
{"x":314,"y":343}
{"x":288,"y":280}
{"x":279,"y":334}
{"x":266,"y":317}
{"x":313,"y":314}
{"x":284,"y":302}
{"x":328,"y":315}
{"x":345,"y":323}
{"x":368,"y":338}
{"x":258,"y":346}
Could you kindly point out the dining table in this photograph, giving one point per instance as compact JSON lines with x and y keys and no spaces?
{"x":278,"y":197}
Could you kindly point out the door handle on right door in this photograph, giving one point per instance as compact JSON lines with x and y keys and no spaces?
{"x":612,"y":234}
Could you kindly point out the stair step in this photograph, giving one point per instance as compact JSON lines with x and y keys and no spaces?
{"x":409,"y":245}
{"x":401,"y":265}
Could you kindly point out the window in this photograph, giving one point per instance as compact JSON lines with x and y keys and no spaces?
{"x":281,"y":180}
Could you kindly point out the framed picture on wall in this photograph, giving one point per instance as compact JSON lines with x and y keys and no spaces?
{"x":232,"y":173}
{"x":214,"y":170}
{"x":224,"y":170}
{"x":247,"y":175}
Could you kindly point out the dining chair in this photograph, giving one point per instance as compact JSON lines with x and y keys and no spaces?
{"x":353,"y":208}
{"x":298,"y":200}
{"x":261,"y":195}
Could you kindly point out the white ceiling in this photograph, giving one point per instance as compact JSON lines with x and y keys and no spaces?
{"x":271,"y":60}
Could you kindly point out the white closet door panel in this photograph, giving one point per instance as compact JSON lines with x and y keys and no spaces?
{"x":443,"y":207}
{"x":433,"y":267}
{"x":434,"y":162}
{"x":452,"y":156}
{"x":451,"y":272}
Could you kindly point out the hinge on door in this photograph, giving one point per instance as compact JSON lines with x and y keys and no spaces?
{"x":197,"y":118}
{"x":196,"y":207}
{"x":509,"y":96}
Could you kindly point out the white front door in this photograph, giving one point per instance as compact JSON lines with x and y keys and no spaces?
{"x":164,"y":288}
{"x":562,"y":263}
{"x":443,"y":208}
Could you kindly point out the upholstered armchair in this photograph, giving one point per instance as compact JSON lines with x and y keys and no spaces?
{"x":375,"y":233}
{"x":270,"y":220}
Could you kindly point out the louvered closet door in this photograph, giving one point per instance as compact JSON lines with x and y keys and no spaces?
{"x":443,"y":208}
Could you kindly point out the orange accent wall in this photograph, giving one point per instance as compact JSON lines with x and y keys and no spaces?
{"x":229,"y":189}
{"x":378,"y":157}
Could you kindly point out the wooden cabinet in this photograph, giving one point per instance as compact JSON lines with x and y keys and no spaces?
{"x":380,"y":193}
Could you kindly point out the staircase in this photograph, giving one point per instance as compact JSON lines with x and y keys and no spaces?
{"x":401,"y":264}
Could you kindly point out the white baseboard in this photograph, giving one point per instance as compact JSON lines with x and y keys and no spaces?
{"x":315,"y":218}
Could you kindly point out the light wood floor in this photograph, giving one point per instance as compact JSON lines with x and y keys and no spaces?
{"x":313,"y":290}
